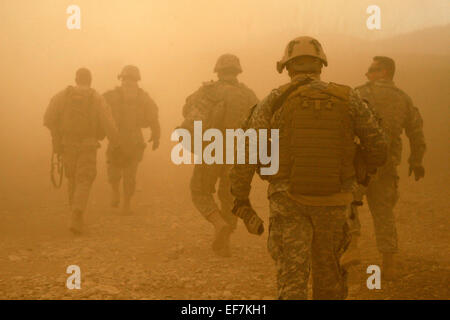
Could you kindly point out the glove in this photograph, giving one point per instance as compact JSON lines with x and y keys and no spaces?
{"x":419,"y":172}
{"x":244,"y":210}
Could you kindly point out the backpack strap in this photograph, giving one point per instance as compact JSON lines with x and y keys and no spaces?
{"x":286,"y":93}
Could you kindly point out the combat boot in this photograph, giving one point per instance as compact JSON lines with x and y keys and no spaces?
{"x":389,"y":271}
{"x":115,"y":196}
{"x":77,"y":222}
{"x":222,"y":234}
{"x":351,"y":256}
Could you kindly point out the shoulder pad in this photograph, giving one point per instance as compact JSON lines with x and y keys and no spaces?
{"x":282,"y":88}
{"x":243,"y":86}
{"x":246,"y":88}
{"x":397,"y":89}
{"x":143,"y":92}
{"x":68,"y":90}
{"x":403,"y":93}
{"x":208,"y":83}
{"x":339,"y":90}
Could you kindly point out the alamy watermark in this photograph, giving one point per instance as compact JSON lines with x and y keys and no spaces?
{"x":256,"y":142}
{"x":74,"y":20}
{"x":74,"y":280}
{"x":374,"y":20}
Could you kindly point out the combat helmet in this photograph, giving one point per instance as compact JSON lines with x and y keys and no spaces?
{"x":228,"y":61}
{"x":131,"y":72}
{"x":302,"y":46}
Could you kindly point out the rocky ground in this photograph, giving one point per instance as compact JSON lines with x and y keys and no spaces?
{"x":163,"y":250}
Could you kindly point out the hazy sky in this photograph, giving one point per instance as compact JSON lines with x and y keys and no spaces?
{"x":191,"y":25}
{"x":156,"y":33}
{"x":231,"y":18}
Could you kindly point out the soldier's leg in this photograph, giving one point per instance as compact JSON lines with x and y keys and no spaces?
{"x":352,"y":255}
{"x":202,"y":188}
{"x":330,"y":240}
{"x":129,"y":184}
{"x":70,"y":157}
{"x":114,"y":176}
{"x":382,"y":195}
{"x":289,"y":244}
{"x":226,"y":205}
{"x":226,"y":198}
{"x":85,"y":176}
{"x":354,"y":224}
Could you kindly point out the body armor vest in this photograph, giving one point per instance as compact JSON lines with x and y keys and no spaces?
{"x":316,"y":140}
{"x":225,"y":105}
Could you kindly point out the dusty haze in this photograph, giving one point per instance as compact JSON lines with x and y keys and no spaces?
{"x":175,"y":44}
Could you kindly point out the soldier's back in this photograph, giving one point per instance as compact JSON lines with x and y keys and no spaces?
{"x":390,"y":103}
{"x":220,"y":104}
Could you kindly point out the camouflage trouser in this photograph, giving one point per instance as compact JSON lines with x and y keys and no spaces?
{"x":125,"y":170}
{"x":127,"y":173}
{"x":203,"y":187}
{"x":80,"y":165}
{"x":382,"y":195}
{"x":301,"y":237}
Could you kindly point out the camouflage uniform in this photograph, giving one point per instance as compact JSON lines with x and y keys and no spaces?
{"x":132,"y":110}
{"x":79,"y":136}
{"x":308,"y":230}
{"x":220,"y":104}
{"x":397,"y":113}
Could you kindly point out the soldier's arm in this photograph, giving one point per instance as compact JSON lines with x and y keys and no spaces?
{"x":152,"y":115}
{"x":369,"y":132}
{"x":53,"y":111}
{"x":241,"y":175}
{"x":106,"y":120}
{"x":52,"y":117}
{"x":414,"y":131}
{"x":251,"y":96}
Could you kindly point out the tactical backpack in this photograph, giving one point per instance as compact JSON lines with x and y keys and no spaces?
{"x":317,"y":146}
{"x":79,"y":119}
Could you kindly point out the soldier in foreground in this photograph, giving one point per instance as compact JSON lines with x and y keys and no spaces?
{"x":309,"y":195}
{"x":220,"y":104}
{"x":78,"y":118}
{"x":397,"y":113}
{"x":132,"y":109}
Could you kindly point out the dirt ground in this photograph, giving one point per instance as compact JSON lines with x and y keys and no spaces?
{"x":163,"y":250}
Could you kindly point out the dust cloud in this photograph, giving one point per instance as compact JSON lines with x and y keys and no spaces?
{"x":163,"y":251}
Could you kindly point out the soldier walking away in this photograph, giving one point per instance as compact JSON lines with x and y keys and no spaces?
{"x":220,"y":104}
{"x":78,"y":118}
{"x":397,"y":113}
{"x":318,"y":123}
{"x":133,"y":110}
